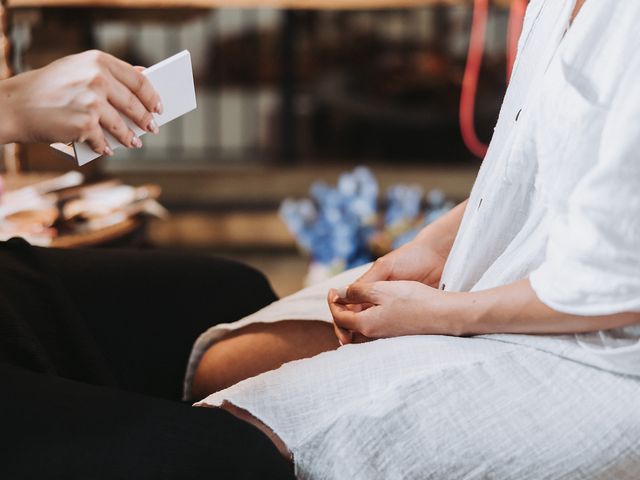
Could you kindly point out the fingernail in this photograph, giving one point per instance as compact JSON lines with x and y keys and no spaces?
{"x":136,"y":142}
{"x":341,"y":292}
{"x":335,"y":298}
{"x":153,"y":127}
{"x":108,"y":152}
{"x":159,"y":108}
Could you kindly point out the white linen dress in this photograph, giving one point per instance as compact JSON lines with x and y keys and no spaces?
{"x":557,"y":200}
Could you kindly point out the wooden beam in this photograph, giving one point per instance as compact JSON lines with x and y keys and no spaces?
{"x":289,"y":4}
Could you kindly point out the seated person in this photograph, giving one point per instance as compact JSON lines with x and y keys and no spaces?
{"x":94,"y":343}
{"x":507,"y":334}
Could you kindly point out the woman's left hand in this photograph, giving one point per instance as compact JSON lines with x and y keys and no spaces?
{"x":389,"y":309}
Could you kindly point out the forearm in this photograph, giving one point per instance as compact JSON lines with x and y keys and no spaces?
{"x":8,"y":114}
{"x":442,"y":233}
{"x":515,"y":308}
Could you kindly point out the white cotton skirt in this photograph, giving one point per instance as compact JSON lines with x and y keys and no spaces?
{"x":437,"y":407}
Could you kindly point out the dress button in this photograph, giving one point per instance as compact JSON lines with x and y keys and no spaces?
{"x":518,"y":114}
{"x":479,"y":204}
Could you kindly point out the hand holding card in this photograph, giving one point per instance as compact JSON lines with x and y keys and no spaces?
{"x":173,"y":81}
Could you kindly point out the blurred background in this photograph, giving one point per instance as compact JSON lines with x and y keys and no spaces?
{"x":288,"y":100}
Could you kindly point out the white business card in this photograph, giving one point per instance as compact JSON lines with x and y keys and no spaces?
{"x":172,"y":78}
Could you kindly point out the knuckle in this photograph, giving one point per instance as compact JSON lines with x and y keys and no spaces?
{"x":94,"y":104}
{"x":139,"y":81}
{"x":97,"y":56}
{"x":381,"y":263}
{"x":144,"y":118}
{"x":87,"y":124}
{"x":121,"y":132}
{"x":97,"y":79}
{"x":91,"y":101}
{"x":91,"y":54}
{"x":131,"y":102}
{"x":127,"y":135}
{"x":97,"y":143}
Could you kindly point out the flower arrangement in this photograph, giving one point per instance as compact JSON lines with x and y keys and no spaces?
{"x":348,"y":225}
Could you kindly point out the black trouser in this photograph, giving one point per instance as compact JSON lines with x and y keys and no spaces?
{"x":93,"y":349}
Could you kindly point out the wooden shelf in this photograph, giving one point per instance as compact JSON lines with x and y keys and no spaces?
{"x":292,"y":4}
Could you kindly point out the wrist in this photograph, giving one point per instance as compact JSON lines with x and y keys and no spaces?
{"x":467,"y":313}
{"x":441,"y":234}
{"x":439,"y":239}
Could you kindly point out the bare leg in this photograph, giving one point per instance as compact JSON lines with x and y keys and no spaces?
{"x":258,"y":348}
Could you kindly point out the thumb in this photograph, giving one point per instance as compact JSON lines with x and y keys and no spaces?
{"x":359,"y":293}
{"x":380,"y":270}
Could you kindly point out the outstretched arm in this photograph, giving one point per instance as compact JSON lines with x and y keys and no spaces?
{"x":74,"y":98}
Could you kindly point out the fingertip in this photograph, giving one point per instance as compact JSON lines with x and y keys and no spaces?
{"x":333,"y":296}
{"x":346,"y":337}
{"x":343,"y":336}
{"x":341,"y":292}
{"x":153,"y":127}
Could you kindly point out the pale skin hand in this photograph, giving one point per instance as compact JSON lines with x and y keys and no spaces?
{"x":423,"y":258}
{"x":73,"y":98}
{"x":421,"y":261}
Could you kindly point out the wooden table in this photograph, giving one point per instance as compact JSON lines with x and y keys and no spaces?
{"x":104,"y":236}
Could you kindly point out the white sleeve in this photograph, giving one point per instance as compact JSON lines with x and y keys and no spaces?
{"x":592,"y":264}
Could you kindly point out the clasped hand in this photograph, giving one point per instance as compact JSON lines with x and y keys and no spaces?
{"x":397,"y":296}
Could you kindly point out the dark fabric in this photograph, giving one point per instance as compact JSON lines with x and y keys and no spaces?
{"x":57,"y":428}
{"x":93,"y":350}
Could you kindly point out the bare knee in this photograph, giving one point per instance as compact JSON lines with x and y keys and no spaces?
{"x":259,"y":348}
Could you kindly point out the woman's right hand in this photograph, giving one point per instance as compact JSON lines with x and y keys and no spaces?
{"x":417,"y":260}
{"x":421,"y":260}
{"x":74,"y":98}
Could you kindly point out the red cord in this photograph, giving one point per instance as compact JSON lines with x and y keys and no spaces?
{"x":474,"y":63}
{"x":470,"y":79}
